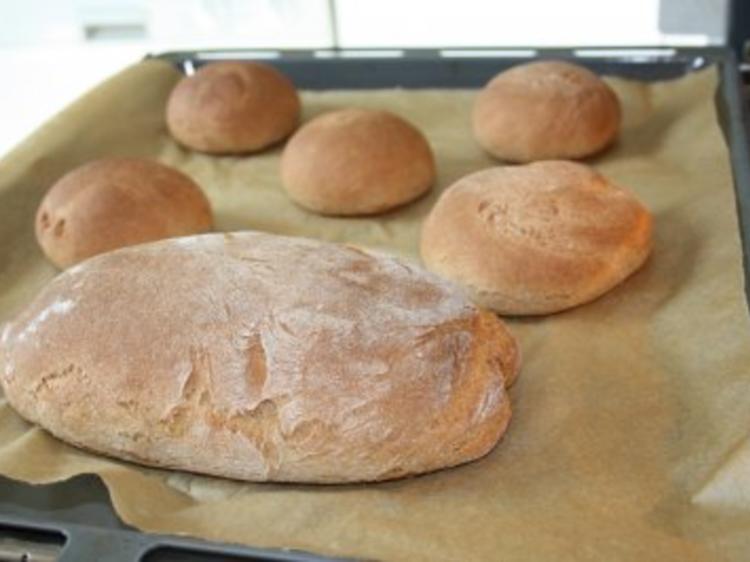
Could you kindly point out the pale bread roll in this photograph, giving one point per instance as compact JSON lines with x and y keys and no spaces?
{"x":233,"y":107}
{"x":357,"y":162}
{"x":264,"y":358}
{"x":537,"y":238}
{"x":115,"y":202}
{"x":545,"y":110}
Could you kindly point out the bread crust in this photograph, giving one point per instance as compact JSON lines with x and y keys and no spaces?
{"x":355,"y":162}
{"x":233,"y":107}
{"x":538,"y":238}
{"x":545,"y":110}
{"x":262,"y":358}
{"x":114,"y":202}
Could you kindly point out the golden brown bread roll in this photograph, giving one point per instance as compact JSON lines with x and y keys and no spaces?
{"x":233,"y":107}
{"x":356,"y":162}
{"x":116,"y":202}
{"x":263,"y":358}
{"x":545,"y":110}
{"x":538,"y":238}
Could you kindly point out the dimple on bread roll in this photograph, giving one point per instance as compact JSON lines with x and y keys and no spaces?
{"x":262,"y":358}
{"x":357,"y":162}
{"x":114,"y":202}
{"x":545,"y":110}
{"x":233,"y":107}
{"x":537,"y":238}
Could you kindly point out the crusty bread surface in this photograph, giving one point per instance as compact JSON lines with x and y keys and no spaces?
{"x":115,"y":202}
{"x":545,"y":110}
{"x":262,"y":358}
{"x":537,"y":238}
{"x":233,"y":107}
{"x":357,"y":162}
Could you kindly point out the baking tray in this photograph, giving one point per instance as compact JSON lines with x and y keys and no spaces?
{"x":74,"y":521}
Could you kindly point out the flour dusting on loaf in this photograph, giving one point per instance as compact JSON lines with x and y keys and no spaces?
{"x":262,"y":357}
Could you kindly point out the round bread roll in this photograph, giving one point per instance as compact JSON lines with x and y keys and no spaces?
{"x":357,"y":162}
{"x":545,"y":110}
{"x":538,"y":238}
{"x":116,"y":202}
{"x":233,"y":107}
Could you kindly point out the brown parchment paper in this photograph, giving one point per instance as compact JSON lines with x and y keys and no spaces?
{"x":629,"y":439}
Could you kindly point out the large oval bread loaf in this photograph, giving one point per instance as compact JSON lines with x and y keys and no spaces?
{"x":263,"y":358}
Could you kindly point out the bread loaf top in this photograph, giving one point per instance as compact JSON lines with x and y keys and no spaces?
{"x":536,"y":238}
{"x":261,"y":357}
{"x":115,"y":202}
{"x":546,"y":110}
{"x":356,"y":161}
{"x":232,"y":107}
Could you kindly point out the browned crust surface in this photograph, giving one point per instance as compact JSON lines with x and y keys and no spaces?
{"x":115,"y":202}
{"x":233,"y":107}
{"x":545,"y":110}
{"x":538,"y":238}
{"x":261,"y":357}
{"x":357,"y":161}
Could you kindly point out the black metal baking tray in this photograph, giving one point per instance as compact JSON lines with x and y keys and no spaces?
{"x":74,"y":521}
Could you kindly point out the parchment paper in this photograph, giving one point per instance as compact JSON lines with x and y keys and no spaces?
{"x":631,"y":416}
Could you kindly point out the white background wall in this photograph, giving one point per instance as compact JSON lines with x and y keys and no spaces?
{"x":51,"y":51}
